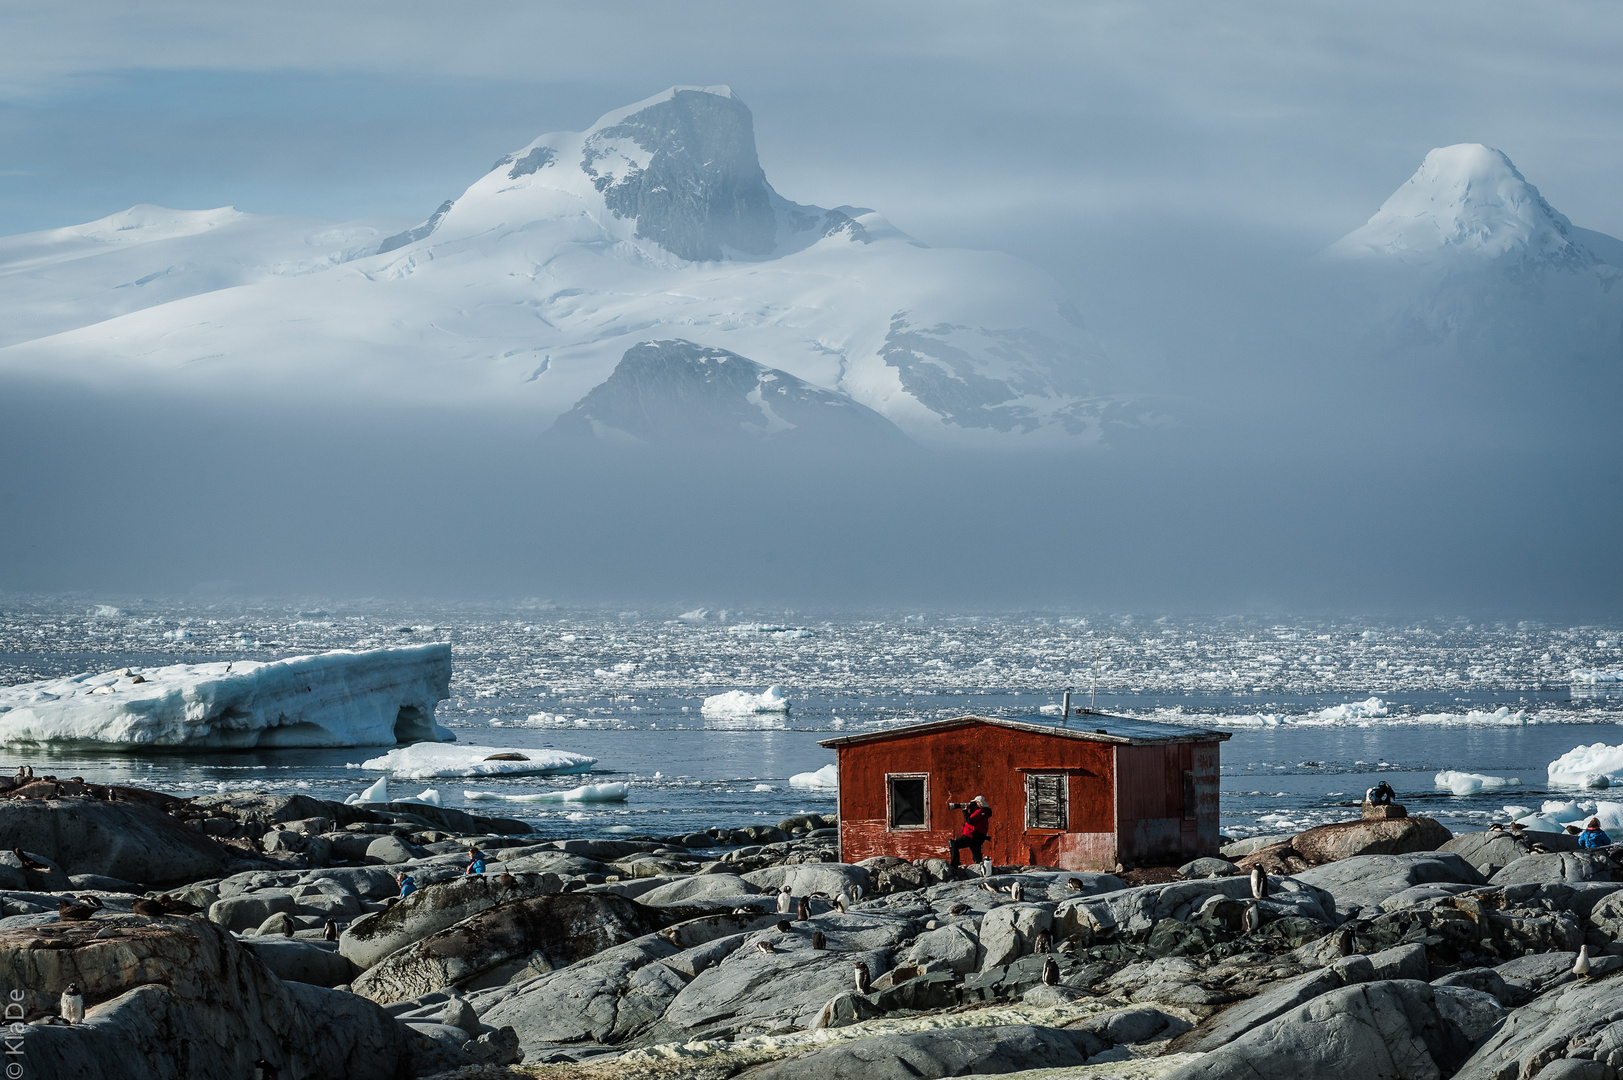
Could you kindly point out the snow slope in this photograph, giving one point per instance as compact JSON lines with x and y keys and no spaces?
{"x":341,"y":698}
{"x":524,"y":292}
{"x":63,"y":279}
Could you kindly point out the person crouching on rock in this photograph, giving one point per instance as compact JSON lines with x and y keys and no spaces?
{"x":1593,"y":835}
{"x":476,"y":863}
{"x":977,"y":818}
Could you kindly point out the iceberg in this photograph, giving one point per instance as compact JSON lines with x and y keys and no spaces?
{"x":1465,"y":783}
{"x":378,"y":697}
{"x":587,"y":793}
{"x":1595,"y":766}
{"x":825,"y":779}
{"x":426,"y":760}
{"x":1372,"y":708}
{"x":1592,"y":677}
{"x":744,"y":703}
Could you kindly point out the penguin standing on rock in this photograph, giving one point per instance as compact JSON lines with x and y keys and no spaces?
{"x":1252,"y":920}
{"x":1346,"y":945}
{"x":329,"y":932}
{"x":1580,"y":968}
{"x":1044,"y":942}
{"x":1259,"y":883}
{"x":1050,"y":972}
{"x":861,"y":971}
{"x":818,"y":940}
{"x":803,"y":909}
{"x":1017,"y":891}
{"x":72,"y":1004}
{"x":786,"y":900}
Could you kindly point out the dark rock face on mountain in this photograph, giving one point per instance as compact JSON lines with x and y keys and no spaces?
{"x":669,"y":392}
{"x":703,"y":188}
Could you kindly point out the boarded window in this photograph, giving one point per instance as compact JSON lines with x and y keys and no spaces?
{"x":1045,"y":801}
{"x":907,"y":801}
{"x":1188,"y":795}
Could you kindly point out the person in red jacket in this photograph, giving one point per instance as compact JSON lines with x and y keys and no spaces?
{"x":977,"y":818}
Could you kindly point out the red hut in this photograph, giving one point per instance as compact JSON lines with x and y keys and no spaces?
{"x":1082,"y":793}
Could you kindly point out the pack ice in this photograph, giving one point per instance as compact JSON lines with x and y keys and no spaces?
{"x":378,"y":697}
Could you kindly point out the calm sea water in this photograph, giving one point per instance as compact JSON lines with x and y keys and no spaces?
{"x":628,"y":689}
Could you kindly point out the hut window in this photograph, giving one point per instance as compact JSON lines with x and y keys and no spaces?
{"x":1045,"y":801}
{"x":908,"y":799}
{"x":1188,"y":795}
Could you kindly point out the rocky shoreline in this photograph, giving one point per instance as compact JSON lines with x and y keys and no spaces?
{"x":216,"y":936}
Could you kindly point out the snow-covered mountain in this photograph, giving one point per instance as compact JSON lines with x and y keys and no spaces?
{"x":523,"y":293}
{"x":1467,"y":261}
{"x":665,"y":392}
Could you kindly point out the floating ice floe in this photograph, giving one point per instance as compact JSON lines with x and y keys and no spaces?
{"x":587,"y":793}
{"x":1465,"y":783}
{"x":1372,"y":708}
{"x":425,"y":760}
{"x":378,"y":697}
{"x":1556,"y":814}
{"x":1597,"y":676}
{"x":744,"y":703}
{"x":379,"y":793}
{"x":767,"y":629}
{"x":825,"y":779}
{"x":1594,"y":766}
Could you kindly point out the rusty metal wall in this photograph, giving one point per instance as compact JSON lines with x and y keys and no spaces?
{"x":1153,"y":824}
{"x":981,"y":759}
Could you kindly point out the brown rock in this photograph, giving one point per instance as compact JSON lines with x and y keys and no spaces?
{"x":1388,"y":812}
{"x":1345,"y":839}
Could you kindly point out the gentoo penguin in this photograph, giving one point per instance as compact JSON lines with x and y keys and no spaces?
{"x":959,"y":908}
{"x":764,"y":946}
{"x":1259,"y":883}
{"x":329,"y":932}
{"x":839,"y":903}
{"x":1017,"y":891}
{"x":72,"y":1004}
{"x":287,"y":927}
{"x":1050,"y":972}
{"x":1074,"y":884}
{"x":986,"y":866}
{"x":1496,"y":827}
{"x":1346,"y":945}
{"x":784,"y":926}
{"x":861,"y":971}
{"x":149,"y":907}
{"x":843,"y":899}
{"x":1044,"y":942}
{"x":803,"y":909}
{"x":818,"y":940}
{"x":987,"y":886}
{"x":744,"y":909}
{"x":1581,"y":967}
{"x":855,"y":893}
{"x":786,"y":900}
{"x":1252,"y":920}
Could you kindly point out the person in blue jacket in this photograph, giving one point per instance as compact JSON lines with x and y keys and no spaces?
{"x":476,"y":862}
{"x":1593,"y":835}
{"x":407,"y":885}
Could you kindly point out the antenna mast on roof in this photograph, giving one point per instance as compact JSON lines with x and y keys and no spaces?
{"x":1093,"y":695}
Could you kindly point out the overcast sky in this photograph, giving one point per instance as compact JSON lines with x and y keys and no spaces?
{"x":977,"y":124}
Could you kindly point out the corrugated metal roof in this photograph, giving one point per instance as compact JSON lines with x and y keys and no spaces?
{"x":1091,"y":727}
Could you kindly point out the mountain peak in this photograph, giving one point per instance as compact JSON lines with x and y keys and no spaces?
{"x":1467,"y":199}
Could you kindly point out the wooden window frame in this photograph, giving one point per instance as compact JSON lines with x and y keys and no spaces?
{"x":890,"y":810}
{"x":1063,"y":776}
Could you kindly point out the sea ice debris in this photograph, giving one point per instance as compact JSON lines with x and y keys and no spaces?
{"x":587,"y":793}
{"x":825,"y":779}
{"x":426,"y":760}
{"x":1465,"y":783}
{"x":744,"y":703}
